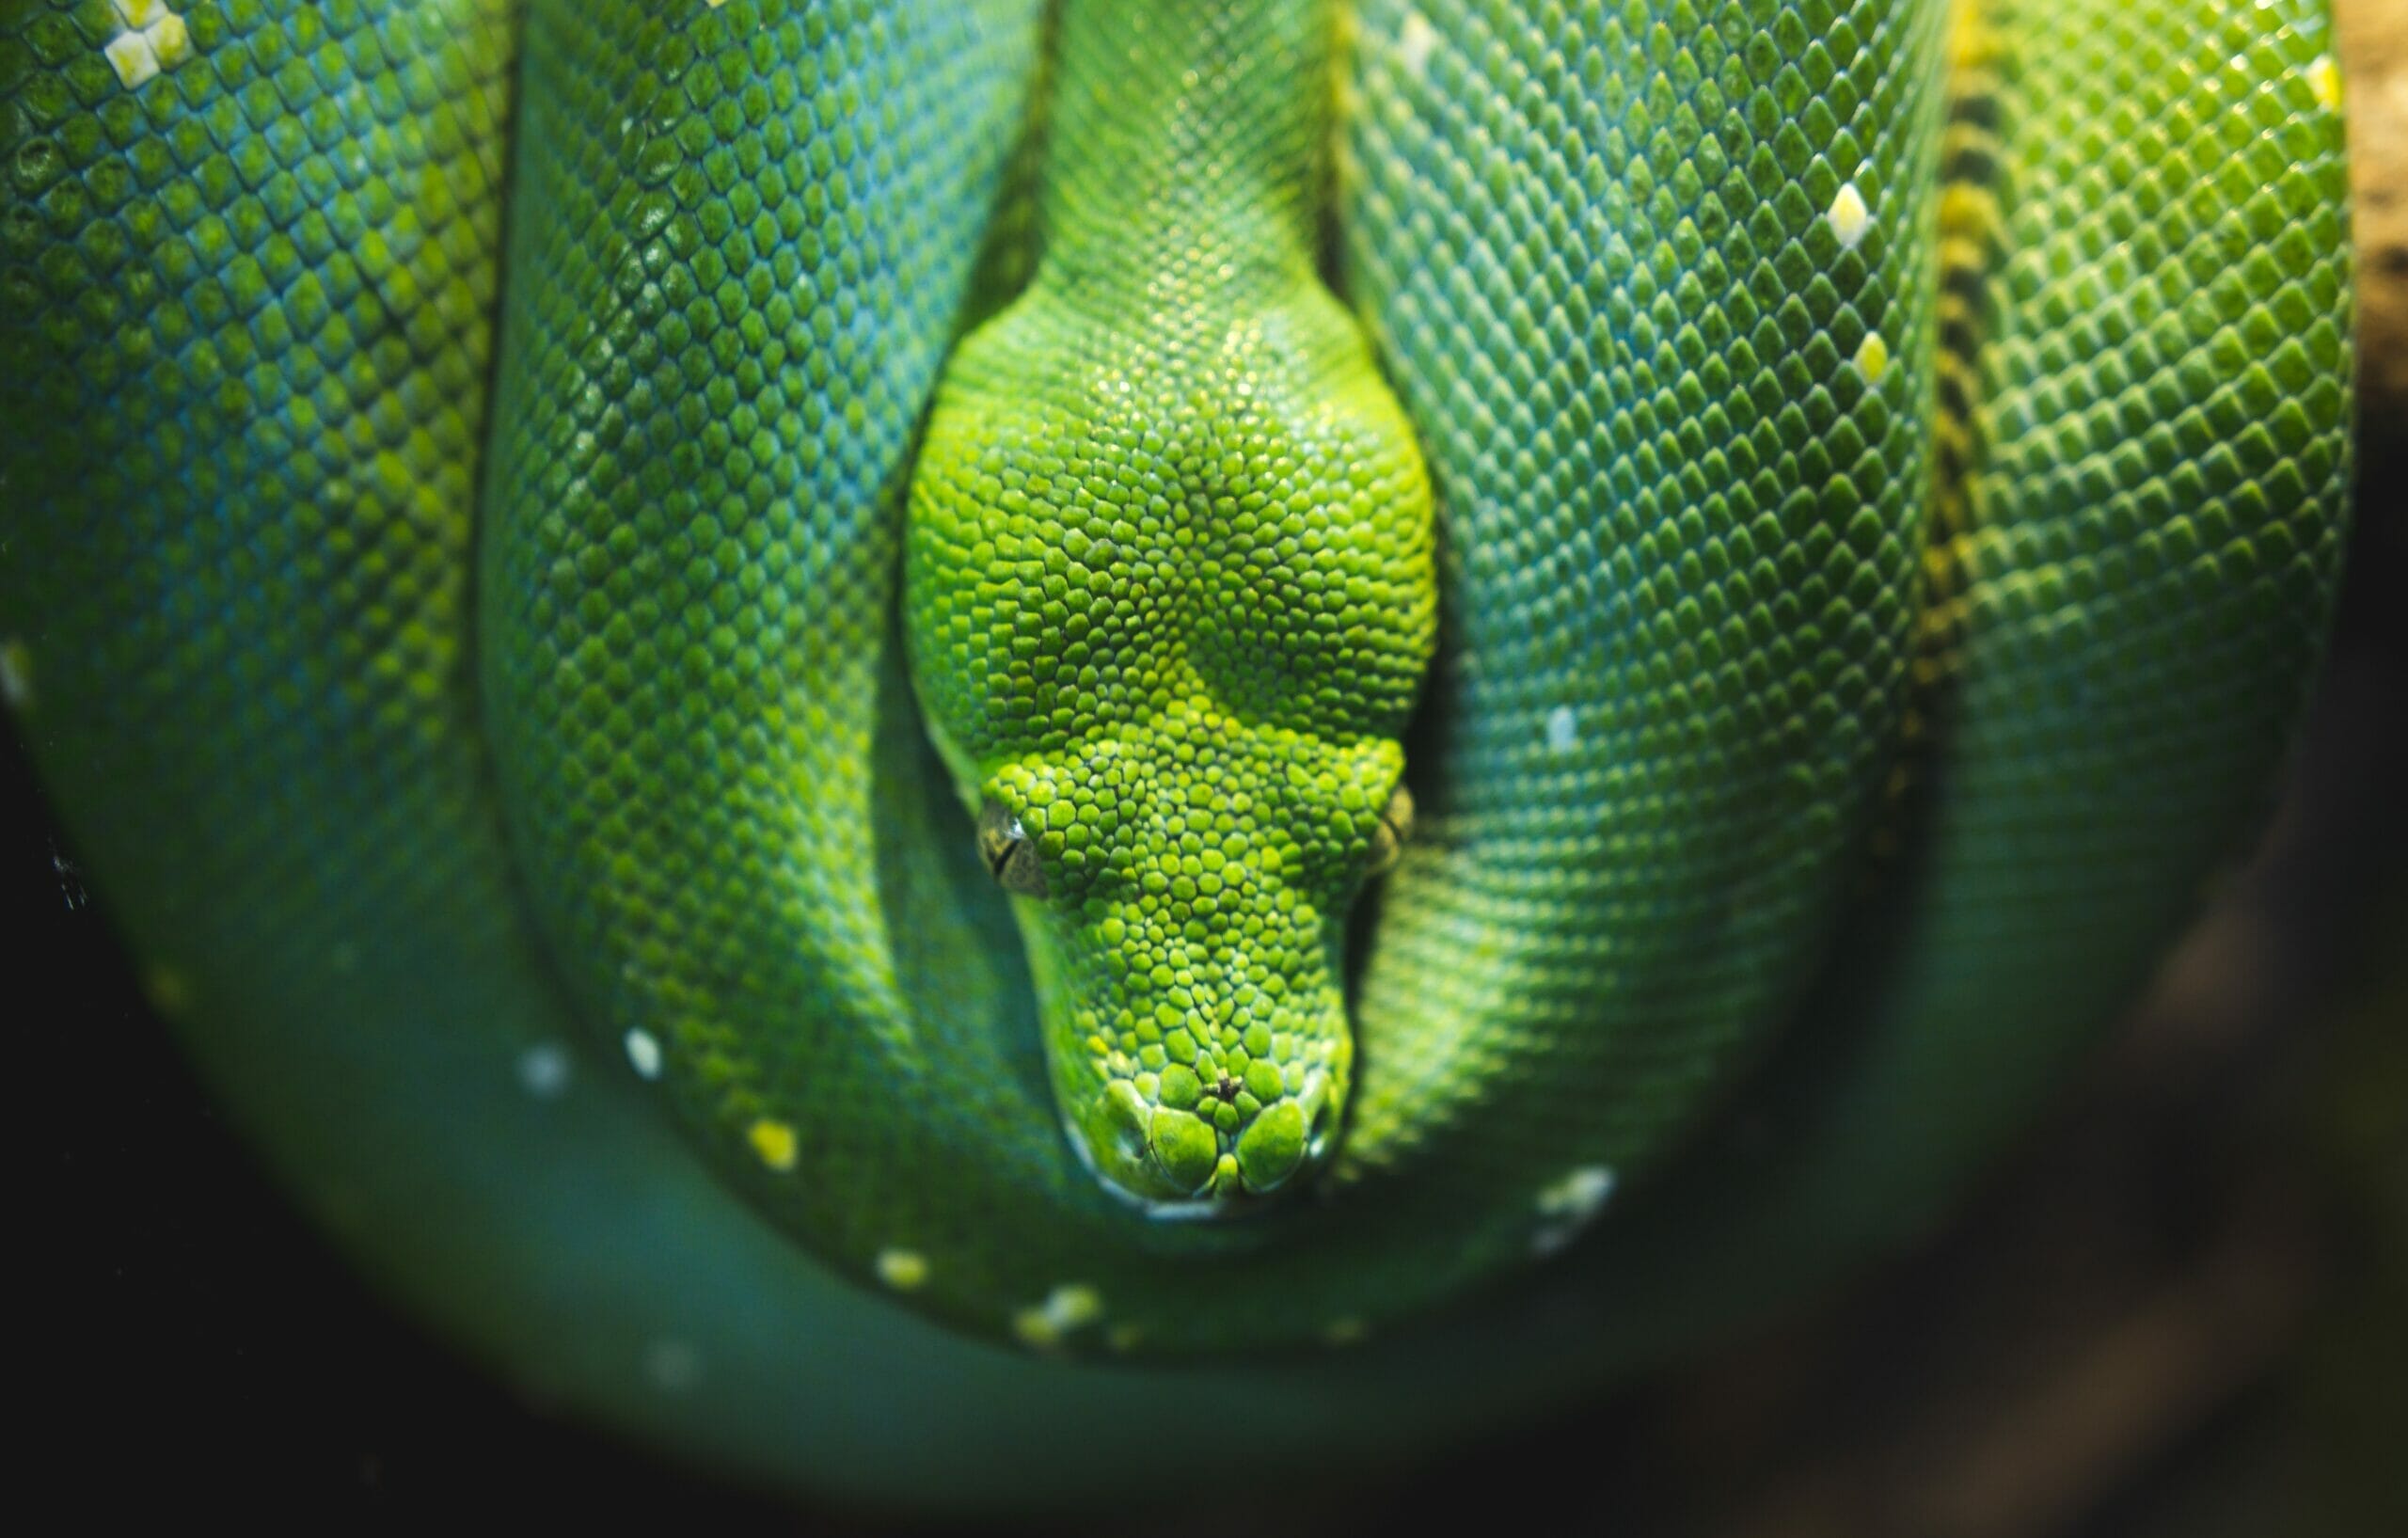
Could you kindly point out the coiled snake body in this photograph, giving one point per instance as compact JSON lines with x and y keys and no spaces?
{"x":1540,"y":806}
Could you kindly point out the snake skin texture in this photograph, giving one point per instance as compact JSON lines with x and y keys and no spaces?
{"x":1887,"y":470}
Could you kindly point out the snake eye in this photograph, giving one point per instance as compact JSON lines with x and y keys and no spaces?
{"x":1009,"y":853}
{"x":1395,"y":826}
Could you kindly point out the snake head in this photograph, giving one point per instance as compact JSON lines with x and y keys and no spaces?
{"x":1184,"y":894}
{"x":1169,"y":597}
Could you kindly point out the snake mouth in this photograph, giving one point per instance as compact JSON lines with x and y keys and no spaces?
{"x":1174,"y":1164}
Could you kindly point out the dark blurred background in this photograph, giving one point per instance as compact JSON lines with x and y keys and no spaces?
{"x":2181,"y":1308}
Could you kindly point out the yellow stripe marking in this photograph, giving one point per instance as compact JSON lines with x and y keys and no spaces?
{"x":2324,"y":79}
{"x":1873,"y":357}
{"x":774,"y":1141}
{"x":902,"y":1269}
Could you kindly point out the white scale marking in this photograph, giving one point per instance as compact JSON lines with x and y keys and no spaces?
{"x":1570,"y":1204}
{"x":1066,"y":1308}
{"x":544,"y":1070}
{"x":154,"y":38}
{"x":1563,"y":730}
{"x":1849,"y":218}
{"x":643,"y":1054}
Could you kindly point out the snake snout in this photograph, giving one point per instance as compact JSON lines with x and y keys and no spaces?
{"x":1208,"y":1148}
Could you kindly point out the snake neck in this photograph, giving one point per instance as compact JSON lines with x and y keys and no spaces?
{"x":1187,"y":149}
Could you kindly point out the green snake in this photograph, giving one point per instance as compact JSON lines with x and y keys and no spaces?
{"x":902,"y":742}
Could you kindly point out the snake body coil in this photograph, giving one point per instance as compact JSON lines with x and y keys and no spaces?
{"x":1584,"y":640}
